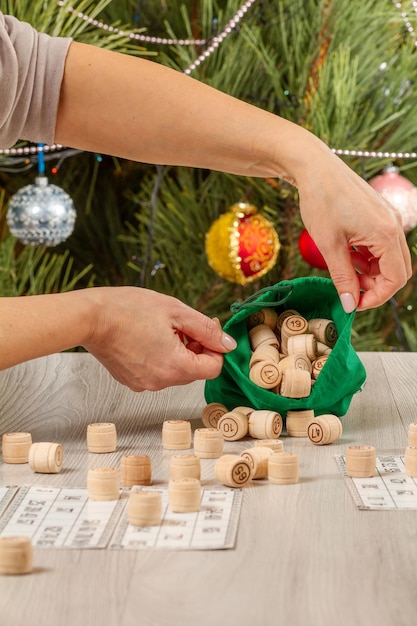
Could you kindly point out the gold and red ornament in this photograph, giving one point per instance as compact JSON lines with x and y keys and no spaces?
{"x":242,"y":245}
{"x":310,"y":252}
{"x":400,"y":192}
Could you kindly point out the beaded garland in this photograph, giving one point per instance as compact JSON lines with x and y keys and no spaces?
{"x":408,"y":24}
{"x":215,"y":42}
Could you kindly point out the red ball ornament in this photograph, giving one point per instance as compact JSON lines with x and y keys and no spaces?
{"x":310,"y":252}
{"x":400,"y":192}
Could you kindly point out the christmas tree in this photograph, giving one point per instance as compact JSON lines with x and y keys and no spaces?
{"x":344,"y":70}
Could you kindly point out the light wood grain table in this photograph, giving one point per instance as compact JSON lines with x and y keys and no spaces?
{"x":304,"y":555}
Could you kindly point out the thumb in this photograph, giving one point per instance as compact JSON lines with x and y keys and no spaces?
{"x":344,"y":276}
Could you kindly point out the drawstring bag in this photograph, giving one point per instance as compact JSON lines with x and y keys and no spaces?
{"x":341,"y":377}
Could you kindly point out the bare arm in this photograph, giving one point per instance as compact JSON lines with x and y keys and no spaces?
{"x":116,"y":104}
{"x":137,"y":334}
{"x":137,"y":109}
{"x":121,"y":105}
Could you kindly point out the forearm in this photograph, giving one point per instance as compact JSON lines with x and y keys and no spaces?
{"x":137,"y":109}
{"x":135,"y":333}
{"x":124,"y":106}
{"x":35,"y":326}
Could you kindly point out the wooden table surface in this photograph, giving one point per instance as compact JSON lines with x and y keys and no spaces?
{"x":304,"y":555}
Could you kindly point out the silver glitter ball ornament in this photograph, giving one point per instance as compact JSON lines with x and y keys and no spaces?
{"x":41,"y":214}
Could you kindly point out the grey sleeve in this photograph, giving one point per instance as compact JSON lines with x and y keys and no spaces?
{"x":31,"y":71}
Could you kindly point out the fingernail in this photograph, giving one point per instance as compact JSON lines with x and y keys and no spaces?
{"x":348,"y":302}
{"x":228,"y":342}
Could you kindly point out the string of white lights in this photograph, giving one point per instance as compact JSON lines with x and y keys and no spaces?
{"x":216,"y":41}
{"x":30,"y":150}
{"x":367,"y":154}
{"x":161,"y":41}
{"x":408,"y":24}
{"x":373,"y":154}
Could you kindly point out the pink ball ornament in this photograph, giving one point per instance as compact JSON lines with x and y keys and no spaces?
{"x":400,"y":192}
{"x":310,"y":252}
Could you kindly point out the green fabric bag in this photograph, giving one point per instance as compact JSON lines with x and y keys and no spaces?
{"x":342,"y":376}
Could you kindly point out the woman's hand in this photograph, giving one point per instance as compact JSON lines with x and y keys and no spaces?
{"x":359,"y":234}
{"x":148,"y":340}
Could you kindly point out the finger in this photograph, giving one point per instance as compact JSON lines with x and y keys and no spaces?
{"x":407,"y":257}
{"x":190,"y":366}
{"x":195,"y":347}
{"x":393,"y":275}
{"x":364,"y":262}
{"x":386,"y":257}
{"x":342,"y":271}
{"x":185,"y":368}
{"x":374,"y":290}
{"x":203,"y":330}
{"x":399,"y":238}
{"x":208,"y":365}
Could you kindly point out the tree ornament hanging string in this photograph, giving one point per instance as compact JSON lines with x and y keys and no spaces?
{"x":41,"y":159}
